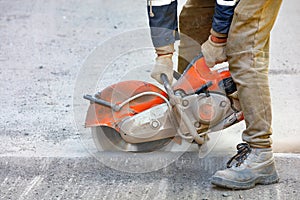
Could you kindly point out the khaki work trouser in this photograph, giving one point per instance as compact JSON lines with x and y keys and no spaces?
{"x":248,"y":57}
{"x":195,"y":21}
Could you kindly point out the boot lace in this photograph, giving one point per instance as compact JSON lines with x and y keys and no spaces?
{"x":243,"y":151}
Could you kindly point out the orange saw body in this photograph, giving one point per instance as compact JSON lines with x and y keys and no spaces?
{"x":139,"y":112}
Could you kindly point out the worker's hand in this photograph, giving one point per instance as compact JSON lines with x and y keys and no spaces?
{"x":214,"y":51}
{"x":164,"y":64}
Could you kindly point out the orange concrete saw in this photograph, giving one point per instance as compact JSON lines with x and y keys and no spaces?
{"x":140,"y":117}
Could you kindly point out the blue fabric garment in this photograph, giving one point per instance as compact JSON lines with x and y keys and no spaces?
{"x":164,"y":24}
{"x":222,"y":18}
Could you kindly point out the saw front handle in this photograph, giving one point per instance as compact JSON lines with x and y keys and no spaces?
{"x":166,"y":84}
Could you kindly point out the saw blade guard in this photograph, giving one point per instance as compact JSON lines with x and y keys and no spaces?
{"x":131,"y":97}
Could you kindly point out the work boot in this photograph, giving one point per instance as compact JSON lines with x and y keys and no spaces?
{"x":252,"y":166}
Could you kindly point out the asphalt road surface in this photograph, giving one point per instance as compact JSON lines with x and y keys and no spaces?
{"x":46,"y":153}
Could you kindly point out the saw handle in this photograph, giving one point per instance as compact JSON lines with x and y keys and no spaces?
{"x":204,"y":88}
{"x":166,"y":84}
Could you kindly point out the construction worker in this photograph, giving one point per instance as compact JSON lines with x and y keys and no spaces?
{"x":240,"y":33}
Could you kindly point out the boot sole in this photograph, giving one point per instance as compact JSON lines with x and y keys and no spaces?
{"x":262,"y":180}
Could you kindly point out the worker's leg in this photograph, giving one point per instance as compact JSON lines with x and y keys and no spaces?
{"x":248,"y":57}
{"x":194,"y":25}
